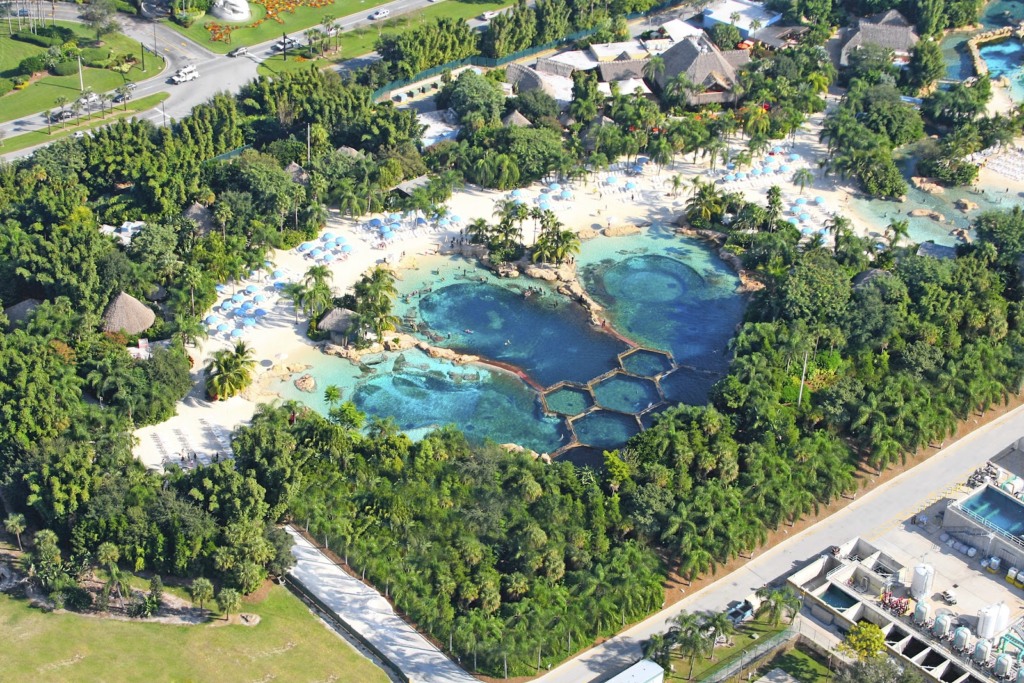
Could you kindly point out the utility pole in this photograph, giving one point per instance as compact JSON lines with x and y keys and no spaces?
{"x":308,"y":149}
{"x":284,"y":44}
{"x":81,"y":81}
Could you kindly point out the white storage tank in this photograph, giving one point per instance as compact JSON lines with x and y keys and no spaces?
{"x":993,"y":565}
{"x":921,"y":613}
{"x":1011,"y":574}
{"x":982,"y":651}
{"x":1004,"y":663}
{"x":987,"y":622}
{"x":1020,"y":676}
{"x":921,"y":584}
{"x":1002,"y":617}
{"x":943,"y":622}
{"x":962,"y":639}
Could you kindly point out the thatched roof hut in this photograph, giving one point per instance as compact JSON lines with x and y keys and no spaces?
{"x":202,"y":217}
{"x":127,"y":314}
{"x":336,"y":321}
{"x":19,"y":312}
{"x":297,"y":173}
{"x":516,"y":120}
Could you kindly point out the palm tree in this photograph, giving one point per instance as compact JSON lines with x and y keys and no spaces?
{"x":230,"y":601}
{"x":776,"y":603}
{"x":654,"y":68}
{"x":705,"y":205}
{"x":717,"y":625}
{"x":296,"y":293}
{"x":190,"y":329}
{"x":230,"y":371}
{"x":15,"y":524}
{"x":896,"y":232}
{"x":62,"y":102}
{"x":201,"y":591}
{"x":686,"y":634}
{"x":318,"y":295}
{"x":803,"y":177}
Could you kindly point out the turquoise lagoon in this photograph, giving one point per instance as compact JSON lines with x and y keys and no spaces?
{"x":550,"y":379}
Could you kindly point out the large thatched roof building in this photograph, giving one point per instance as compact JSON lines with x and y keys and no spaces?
{"x":127,"y":314}
{"x":337,"y":322}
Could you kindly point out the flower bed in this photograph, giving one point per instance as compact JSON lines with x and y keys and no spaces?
{"x":274,"y":8}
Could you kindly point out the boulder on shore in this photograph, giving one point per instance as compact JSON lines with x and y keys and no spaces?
{"x":927,"y":185}
{"x":586,"y":234}
{"x":966,"y":205}
{"x":620,"y":230}
{"x":927,"y":213}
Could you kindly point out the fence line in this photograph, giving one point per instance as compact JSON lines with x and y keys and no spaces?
{"x":492,"y":63}
{"x":744,"y":659}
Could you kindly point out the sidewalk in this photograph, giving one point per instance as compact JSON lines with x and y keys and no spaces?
{"x":367,"y":614}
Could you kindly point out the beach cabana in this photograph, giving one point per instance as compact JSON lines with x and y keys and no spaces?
{"x":128,"y":315}
{"x":337,"y":323}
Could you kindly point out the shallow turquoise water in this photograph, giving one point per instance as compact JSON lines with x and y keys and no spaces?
{"x":1004,"y":59}
{"x":688,"y":309}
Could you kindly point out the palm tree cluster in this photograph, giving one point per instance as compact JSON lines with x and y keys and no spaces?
{"x":229,"y":371}
{"x":375,"y":294}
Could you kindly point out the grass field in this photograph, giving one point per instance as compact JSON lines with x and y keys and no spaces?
{"x":302,"y":18}
{"x":741,"y":640}
{"x":42,"y":94}
{"x":289,"y":644}
{"x":58,"y":131}
{"x":361,"y":40}
{"x":800,"y":665}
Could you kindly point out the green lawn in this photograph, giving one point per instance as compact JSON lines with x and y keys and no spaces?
{"x":800,"y":665}
{"x":741,"y":640}
{"x":289,"y":644}
{"x":58,"y":131}
{"x":42,"y":94}
{"x":362,"y":40}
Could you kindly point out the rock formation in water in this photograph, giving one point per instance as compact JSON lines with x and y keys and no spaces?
{"x":927,"y":213}
{"x":927,"y":185}
{"x":306,"y":383}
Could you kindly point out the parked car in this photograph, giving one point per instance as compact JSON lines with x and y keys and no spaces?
{"x":380,"y":14}
{"x":23,"y":12}
{"x":742,"y":611}
{"x":185,"y":74}
{"x":131,"y":86}
{"x":239,"y":52}
{"x":62,"y":115}
{"x":285,"y":43}
{"x":90,"y":100}
{"x":122,"y":97}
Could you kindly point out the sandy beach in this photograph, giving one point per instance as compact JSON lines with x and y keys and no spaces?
{"x":200,"y":432}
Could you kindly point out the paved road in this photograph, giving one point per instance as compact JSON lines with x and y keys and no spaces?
{"x":367,"y":613}
{"x":868,"y":516}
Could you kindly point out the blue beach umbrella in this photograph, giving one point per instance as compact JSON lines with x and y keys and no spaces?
{"x":220,"y":289}
{"x":260,"y":312}
{"x":784,"y":168}
{"x":519,"y":200}
{"x":395,"y":217}
{"x":387,"y":234}
{"x":630,"y":185}
{"x":227,"y":306}
{"x":638,"y":169}
{"x":223,"y":327}
{"x":801,"y":201}
{"x":327,"y":237}
{"x":642,"y":160}
{"x":730,"y":166}
{"x":805,"y":217}
{"x":259,"y":298}
{"x":421,"y":221}
{"x":777,"y":149}
{"x":517,"y":193}
{"x":793,"y":221}
{"x":278,"y":274}
{"x":306,"y":246}
{"x":346,"y":249}
{"x":247,"y":305}
{"x":555,"y":187}
{"x":755,"y":171}
{"x":741,"y":176}
{"x":375,"y":223}
{"x":768,"y":161}
{"x":281,"y":285}
{"x":545,"y":206}
{"x":251,"y":289}
{"x":731,"y":177}
{"x":806,"y":231}
{"x":238,"y":298}
{"x":249,"y":322}
{"x":443,"y":221}
{"x":566,"y":194}
{"x":819,"y":200}
{"x":455,"y":219}
{"x":611,"y":180}
{"x":328,"y":258}
{"x":212,"y":319}
{"x":794,"y":157}
{"x":236,"y":333}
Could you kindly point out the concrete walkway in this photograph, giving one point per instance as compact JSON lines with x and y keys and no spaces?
{"x":365,"y":612}
{"x":870,"y":516}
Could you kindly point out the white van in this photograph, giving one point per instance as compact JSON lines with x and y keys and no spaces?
{"x":381,"y":14}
